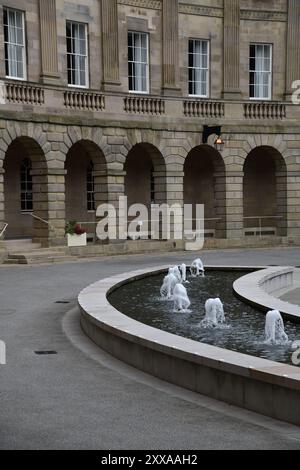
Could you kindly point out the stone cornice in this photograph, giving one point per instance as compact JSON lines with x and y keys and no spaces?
{"x":259,"y":15}
{"x":151,"y":4}
{"x":201,"y":10}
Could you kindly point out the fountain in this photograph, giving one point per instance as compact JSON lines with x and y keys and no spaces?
{"x":167,"y":289}
{"x":242,"y":330}
{"x":197,"y":268}
{"x":183,"y":274}
{"x":214,"y":313}
{"x":181,"y":299}
{"x":176,"y":272}
{"x":274,"y":330}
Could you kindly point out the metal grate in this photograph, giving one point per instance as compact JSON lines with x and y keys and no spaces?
{"x":45,"y":353}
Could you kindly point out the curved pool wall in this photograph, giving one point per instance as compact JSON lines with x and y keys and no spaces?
{"x":256,"y":289}
{"x":252,"y":383}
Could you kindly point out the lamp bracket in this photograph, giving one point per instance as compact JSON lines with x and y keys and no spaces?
{"x":210,"y":130}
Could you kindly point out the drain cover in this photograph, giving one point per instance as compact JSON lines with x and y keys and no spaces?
{"x":45,"y":353}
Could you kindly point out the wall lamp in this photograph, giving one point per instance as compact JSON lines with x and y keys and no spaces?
{"x":217,"y":130}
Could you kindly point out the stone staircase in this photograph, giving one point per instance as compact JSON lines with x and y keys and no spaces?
{"x":26,"y":252}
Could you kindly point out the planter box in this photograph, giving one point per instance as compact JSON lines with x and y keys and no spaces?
{"x":77,"y":240}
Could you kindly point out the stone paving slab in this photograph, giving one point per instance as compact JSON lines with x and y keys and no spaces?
{"x":71,"y":401}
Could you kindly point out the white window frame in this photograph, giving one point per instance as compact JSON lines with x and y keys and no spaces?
{"x":23,"y":46}
{"x":147,"y":63}
{"x":90,"y":180}
{"x":207,"y":69}
{"x":269,"y":72}
{"x":27,"y":165}
{"x":86,"y":56}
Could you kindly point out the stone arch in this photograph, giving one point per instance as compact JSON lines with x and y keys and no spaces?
{"x":15,"y":130}
{"x":265,"y":192}
{"x":204,"y":183}
{"x":145,"y":176}
{"x":275,"y":141}
{"x":21,"y":224}
{"x":86,"y":182}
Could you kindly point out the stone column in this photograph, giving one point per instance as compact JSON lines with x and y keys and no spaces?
{"x":174,"y":195}
{"x":293,"y":204}
{"x":170,"y":48}
{"x":110,"y":45}
{"x":48,"y":31}
{"x":56,"y":206}
{"x":232,"y":49}
{"x":116,"y":189}
{"x":234,"y":204}
{"x":293,"y":45}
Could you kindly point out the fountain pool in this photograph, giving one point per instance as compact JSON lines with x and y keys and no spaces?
{"x":244,"y":330}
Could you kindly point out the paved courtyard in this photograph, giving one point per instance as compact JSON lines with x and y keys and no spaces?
{"x":83,"y":399}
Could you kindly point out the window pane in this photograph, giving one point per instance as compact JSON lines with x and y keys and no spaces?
{"x":82,"y":78}
{"x":19,"y":20}
{"x":260,"y":71}
{"x":19,"y":38}
{"x":138,"y":62}
{"x":14,"y":43}
{"x":76,"y":53}
{"x":198,"y":67}
{"x":68,"y":29}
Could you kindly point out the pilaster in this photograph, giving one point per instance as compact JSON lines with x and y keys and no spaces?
{"x":110,"y":45}
{"x":170,"y":48}
{"x":293,"y":46}
{"x":48,"y":32}
{"x":232,"y":49}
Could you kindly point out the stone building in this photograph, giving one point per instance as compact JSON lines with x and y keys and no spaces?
{"x":102,"y":98}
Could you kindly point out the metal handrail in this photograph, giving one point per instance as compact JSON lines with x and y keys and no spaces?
{"x":31,"y":214}
{"x":261,"y":218}
{"x":3,"y":230}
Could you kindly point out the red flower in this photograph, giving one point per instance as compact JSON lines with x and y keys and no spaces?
{"x":78,"y":230}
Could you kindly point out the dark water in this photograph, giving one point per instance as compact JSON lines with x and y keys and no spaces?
{"x":244,"y":329}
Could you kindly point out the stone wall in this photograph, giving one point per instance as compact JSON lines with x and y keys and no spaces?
{"x":48,"y":119}
{"x":113,"y":144}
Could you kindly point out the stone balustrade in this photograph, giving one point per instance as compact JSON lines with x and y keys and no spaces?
{"x":22,"y":94}
{"x":264,"y":111}
{"x":203,"y":109}
{"x":84,"y":100}
{"x":144,"y":105}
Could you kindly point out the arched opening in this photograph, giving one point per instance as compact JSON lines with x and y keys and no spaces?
{"x":86,"y":184}
{"x":145,"y":180}
{"x":265,"y":193}
{"x":26,"y":191}
{"x":204,"y":183}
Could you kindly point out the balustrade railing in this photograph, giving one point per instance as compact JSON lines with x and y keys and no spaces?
{"x":144,"y":105}
{"x":24,"y":94}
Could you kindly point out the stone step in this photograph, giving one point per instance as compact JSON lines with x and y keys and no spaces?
{"x":41,"y":259}
{"x":21,"y":246}
{"x":37,"y":252}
